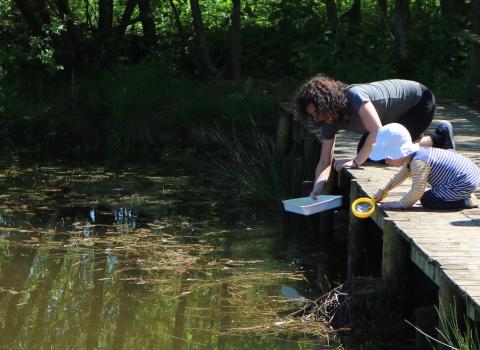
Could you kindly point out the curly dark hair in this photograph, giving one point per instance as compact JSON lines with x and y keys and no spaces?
{"x":326,"y":94}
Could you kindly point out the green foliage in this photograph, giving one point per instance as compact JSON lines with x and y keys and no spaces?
{"x":42,"y":46}
{"x":145,"y":103}
{"x":142,"y":97}
{"x":452,"y":333}
{"x":288,"y":37}
{"x":125,"y":112}
{"x":442,"y":59}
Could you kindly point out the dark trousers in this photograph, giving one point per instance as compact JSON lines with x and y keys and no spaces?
{"x":429,"y":201}
{"x":417,"y":119}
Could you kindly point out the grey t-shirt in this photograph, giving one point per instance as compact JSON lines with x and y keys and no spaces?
{"x":391,"y":98}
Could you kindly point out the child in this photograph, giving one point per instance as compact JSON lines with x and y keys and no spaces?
{"x":453,"y":178}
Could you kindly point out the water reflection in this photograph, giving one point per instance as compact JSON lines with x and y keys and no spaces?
{"x":95,"y":268}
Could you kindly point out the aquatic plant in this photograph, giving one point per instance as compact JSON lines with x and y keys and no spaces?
{"x":122,"y":246}
{"x":254,"y":165}
{"x":452,"y":334}
{"x":461,"y":336}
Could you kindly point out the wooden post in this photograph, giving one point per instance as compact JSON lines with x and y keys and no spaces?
{"x":426,"y":320}
{"x":311,"y":154}
{"x":344,"y":182}
{"x":395,"y":256}
{"x":356,"y":240}
{"x":340,"y":225}
{"x":331,"y":187}
{"x":284,"y":131}
{"x":298,"y":132}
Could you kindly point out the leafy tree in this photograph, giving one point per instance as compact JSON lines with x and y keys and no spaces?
{"x":133,"y":66}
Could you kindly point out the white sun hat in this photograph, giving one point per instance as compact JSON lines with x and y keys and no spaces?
{"x":394,"y":142}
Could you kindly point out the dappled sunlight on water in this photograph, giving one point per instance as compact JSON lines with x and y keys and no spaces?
{"x":141,"y":258}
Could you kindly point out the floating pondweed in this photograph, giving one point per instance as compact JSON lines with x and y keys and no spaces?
{"x":155,"y":264}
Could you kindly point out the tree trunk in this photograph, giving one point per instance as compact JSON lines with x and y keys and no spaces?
{"x":118,"y":35}
{"x":401,"y":15}
{"x":206,"y":66}
{"x":181,"y":32}
{"x":105,"y":15}
{"x":124,"y":22}
{"x":72,"y":48}
{"x":178,"y":23}
{"x":148,"y":23}
{"x":332,"y":13}
{"x":236,"y":42}
{"x":453,"y":8}
{"x":355,"y":12}
{"x":476,"y":16}
{"x":383,"y":6}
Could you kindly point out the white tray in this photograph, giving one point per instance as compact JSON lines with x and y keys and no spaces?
{"x":308,"y":206}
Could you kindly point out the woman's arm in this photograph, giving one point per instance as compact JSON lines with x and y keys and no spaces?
{"x":370,"y":119}
{"x":322,"y":172}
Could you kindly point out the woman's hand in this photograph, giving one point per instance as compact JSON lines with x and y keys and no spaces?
{"x":344,"y":163}
{"x":317,"y":190}
{"x":392,"y":205}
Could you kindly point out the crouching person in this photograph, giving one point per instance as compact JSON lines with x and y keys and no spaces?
{"x":453,"y":178}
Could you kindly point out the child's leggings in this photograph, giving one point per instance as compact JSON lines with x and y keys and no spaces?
{"x":429,"y":201}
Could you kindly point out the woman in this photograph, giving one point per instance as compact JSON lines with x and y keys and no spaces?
{"x":364,"y":108}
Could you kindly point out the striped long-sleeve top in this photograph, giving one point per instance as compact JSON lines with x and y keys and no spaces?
{"x":450,"y":175}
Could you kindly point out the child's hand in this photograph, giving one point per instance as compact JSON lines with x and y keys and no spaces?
{"x":379,"y":195}
{"x":392,"y":205}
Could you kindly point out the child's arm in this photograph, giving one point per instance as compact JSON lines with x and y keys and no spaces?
{"x":396,"y":180}
{"x":420,"y":171}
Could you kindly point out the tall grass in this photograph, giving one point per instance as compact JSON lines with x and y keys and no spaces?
{"x":255,"y":167}
{"x":452,"y":334}
{"x":460,"y":336}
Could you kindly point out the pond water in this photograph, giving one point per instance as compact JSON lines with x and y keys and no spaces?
{"x":143,"y":258}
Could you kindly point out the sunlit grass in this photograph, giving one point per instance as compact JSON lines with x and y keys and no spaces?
{"x":459,"y":337}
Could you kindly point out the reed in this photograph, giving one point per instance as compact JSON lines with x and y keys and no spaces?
{"x":459,"y":335}
{"x":254,"y":165}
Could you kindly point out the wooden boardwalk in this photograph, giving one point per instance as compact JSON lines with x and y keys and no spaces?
{"x":444,"y":245}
